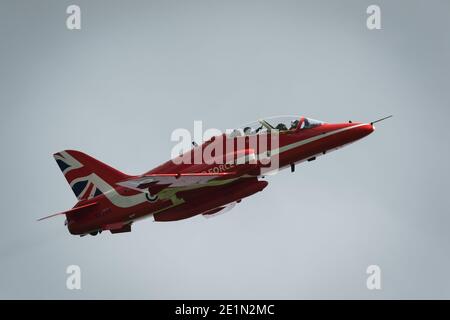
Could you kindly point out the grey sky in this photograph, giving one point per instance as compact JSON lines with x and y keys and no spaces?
{"x":139,"y":69}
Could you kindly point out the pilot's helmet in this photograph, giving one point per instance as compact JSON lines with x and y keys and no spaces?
{"x":306,"y":122}
{"x":281,"y":127}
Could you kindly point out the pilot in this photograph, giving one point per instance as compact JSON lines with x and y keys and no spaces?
{"x":294,"y":124}
{"x":281,"y":127}
{"x":247,"y":131}
{"x":306,"y":123}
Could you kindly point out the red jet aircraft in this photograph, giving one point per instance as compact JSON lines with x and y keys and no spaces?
{"x":111,"y":200}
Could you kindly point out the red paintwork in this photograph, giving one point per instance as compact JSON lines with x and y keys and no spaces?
{"x":206,"y":199}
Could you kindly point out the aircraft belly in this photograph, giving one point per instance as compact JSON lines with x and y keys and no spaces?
{"x":210,"y":198}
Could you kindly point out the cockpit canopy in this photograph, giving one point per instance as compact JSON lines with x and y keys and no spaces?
{"x":310,"y":123}
{"x":279,"y":123}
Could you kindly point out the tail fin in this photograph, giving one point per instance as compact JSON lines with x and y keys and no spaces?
{"x":87,"y":176}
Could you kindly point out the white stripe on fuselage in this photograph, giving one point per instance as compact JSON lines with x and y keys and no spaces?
{"x":116,"y":198}
{"x":309,"y":140}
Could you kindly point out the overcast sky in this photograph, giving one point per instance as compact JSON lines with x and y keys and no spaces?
{"x":137,"y":70}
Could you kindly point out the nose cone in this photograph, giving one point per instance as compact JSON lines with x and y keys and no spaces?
{"x":368,"y":128}
{"x":365,"y":130}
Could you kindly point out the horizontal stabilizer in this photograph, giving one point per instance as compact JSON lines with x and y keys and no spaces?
{"x":71,"y":212}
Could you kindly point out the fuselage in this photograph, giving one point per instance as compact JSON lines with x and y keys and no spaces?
{"x":121,"y":206}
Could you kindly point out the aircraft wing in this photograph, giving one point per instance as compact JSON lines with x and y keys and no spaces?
{"x":153,"y":183}
{"x":156,"y":182}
